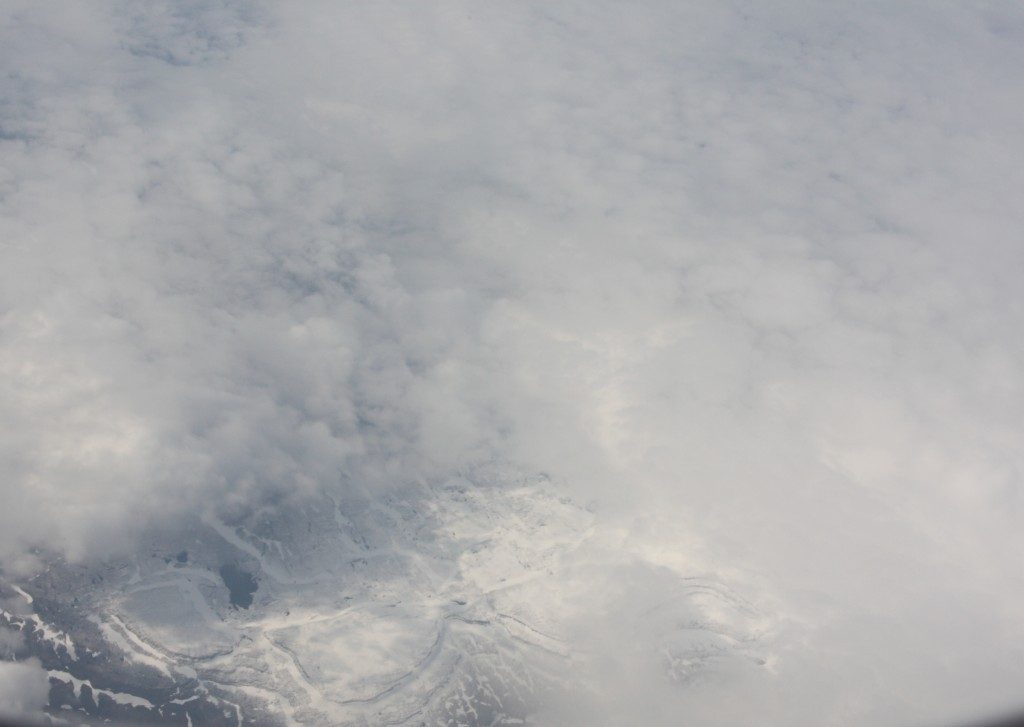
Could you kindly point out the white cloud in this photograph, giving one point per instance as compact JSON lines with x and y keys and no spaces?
{"x":746,"y":276}
{"x":24,"y":688}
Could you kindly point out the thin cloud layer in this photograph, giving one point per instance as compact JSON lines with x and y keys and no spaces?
{"x":743,"y":278}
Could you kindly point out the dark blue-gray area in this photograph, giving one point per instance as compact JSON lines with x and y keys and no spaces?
{"x":241,"y":585}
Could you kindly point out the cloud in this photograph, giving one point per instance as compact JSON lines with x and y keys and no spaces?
{"x":24,"y":688}
{"x":746,"y":277}
{"x":10,"y":642}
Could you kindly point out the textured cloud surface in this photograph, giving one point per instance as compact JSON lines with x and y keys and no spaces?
{"x":743,"y":277}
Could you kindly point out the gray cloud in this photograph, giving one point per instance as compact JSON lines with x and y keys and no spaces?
{"x":745,"y":277}
{"x":23,"y":688}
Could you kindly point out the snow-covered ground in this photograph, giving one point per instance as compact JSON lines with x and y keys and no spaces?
{"x":461,"y":611}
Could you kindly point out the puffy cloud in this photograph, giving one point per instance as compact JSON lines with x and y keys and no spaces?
{"x":744,"y":276}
